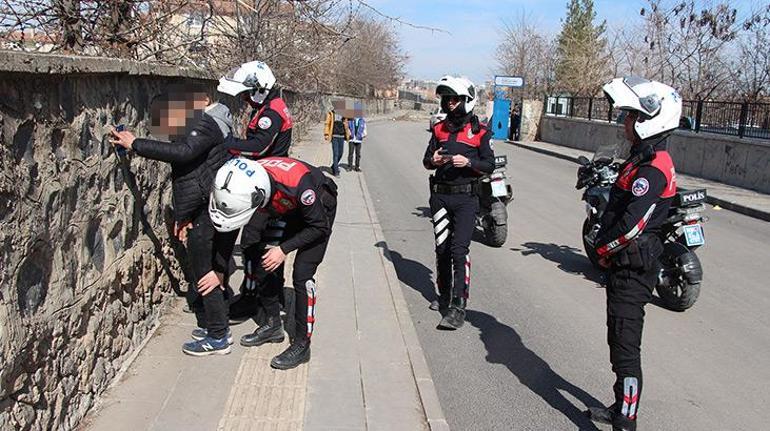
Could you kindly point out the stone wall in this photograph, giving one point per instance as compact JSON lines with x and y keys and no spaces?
{"x":86,"y":259}
{"x":729,"y":160}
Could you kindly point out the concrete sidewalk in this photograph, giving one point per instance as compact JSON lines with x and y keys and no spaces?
{"x":367,"y":371}
{"x":747,"y":202}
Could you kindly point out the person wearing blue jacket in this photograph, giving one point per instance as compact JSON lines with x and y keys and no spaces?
{"x":357,"y":128}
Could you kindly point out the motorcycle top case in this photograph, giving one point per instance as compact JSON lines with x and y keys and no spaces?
{"x":686,"y":198}
{"x":500,"y":161}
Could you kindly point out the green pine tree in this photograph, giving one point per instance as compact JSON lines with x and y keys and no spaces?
{"x":582,"y":65}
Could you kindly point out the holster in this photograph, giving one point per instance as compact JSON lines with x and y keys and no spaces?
{"x":640,"y":254}
{"x":329,"y":194}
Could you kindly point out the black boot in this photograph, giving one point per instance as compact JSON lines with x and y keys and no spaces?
{"x":297,"y":353}
{"x":441,"y":304}
{"x":270,"y":332}
{"x":243,"y":308}
{"x":622,"y":423}
{"x":601,"y":414}
{"x":455,"y":317}
{"x":609,"y":415}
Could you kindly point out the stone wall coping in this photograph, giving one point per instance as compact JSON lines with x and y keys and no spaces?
{"x":56,"y":64}
{"x":685,"y":134}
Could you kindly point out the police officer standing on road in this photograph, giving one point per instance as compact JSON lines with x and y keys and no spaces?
{"x":460,"y":152}
{"x":628,"y":243}
{"x":268,"y":134}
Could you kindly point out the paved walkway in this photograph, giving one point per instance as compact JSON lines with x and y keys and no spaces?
{"x":744,"y":201}
{"x":367,"y":372}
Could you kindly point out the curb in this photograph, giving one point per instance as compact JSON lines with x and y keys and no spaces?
{"x":422,"y":377}
{"x":728,"y":205}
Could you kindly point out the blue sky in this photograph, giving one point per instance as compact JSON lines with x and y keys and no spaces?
{"x":475,"y":25}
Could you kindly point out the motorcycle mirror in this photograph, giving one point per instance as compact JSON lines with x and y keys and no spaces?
{"x":583,"y":160}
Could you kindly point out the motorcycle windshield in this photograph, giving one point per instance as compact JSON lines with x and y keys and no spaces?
{"x":617,"y":149}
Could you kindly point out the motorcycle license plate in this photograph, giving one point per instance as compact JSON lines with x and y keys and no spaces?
{"x":498,"y":188}
{"x":693,"y":235}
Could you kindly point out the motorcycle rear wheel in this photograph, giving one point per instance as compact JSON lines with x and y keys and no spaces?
{"x":683,"y":293}
{"x":495,"y":234}
{"x":679,"y":297}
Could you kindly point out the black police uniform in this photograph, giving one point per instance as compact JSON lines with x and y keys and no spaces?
{"x":268,"y":135}
{"x":307,"y":200}
{"x":454,"y":201}
{"x":639,"y":204}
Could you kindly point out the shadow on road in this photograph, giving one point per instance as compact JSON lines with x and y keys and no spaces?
{"x":412,"y":273}
{"x":504,"y":346}
{"x":422,"y":212}
{"x":569,"y":259}
{"x":572,"y":260}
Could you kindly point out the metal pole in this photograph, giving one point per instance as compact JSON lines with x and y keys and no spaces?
{"x":743,"y":119}
{"x":590,"y":107}
{"x":698,"y":113}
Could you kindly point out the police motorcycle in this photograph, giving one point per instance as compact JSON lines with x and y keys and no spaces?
{"x":681,"y":273}
{"x":494,"y":196}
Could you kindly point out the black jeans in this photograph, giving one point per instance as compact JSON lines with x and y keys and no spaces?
{"x":210,"y":310}
{"x":628,"y":291}
{"x":305,"y":265}
{"x":454,"y":220}
{"x":354,"y":147}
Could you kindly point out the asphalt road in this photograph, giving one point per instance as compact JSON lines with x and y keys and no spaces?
{"x":532,"y":354}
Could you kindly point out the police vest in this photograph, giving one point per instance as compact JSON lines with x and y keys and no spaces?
{"x":661,"y":162}
{"x":279,"y":106}
{"x":464,"y":136}
{"x":286,"y":174}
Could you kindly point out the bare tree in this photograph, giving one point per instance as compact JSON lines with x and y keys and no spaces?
{"x":753,"y":64}
{"x":371,"y":61}
{"x":525,"y":51}
{"x":687,"y":45}
{"x":133,"y":29}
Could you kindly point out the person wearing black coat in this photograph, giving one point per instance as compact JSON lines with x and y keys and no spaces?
{"x":195,"y":153}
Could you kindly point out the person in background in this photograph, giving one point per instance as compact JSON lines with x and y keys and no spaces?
{"x":516,"y":123}
{"x":357,"y":127}
{"x":336,"y":131}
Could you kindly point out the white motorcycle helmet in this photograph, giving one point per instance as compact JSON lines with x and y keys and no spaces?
{"x":254,"y":77}
{"x":457,"y":86}
{"x":659,"y":106}
{"x":240,"y":188}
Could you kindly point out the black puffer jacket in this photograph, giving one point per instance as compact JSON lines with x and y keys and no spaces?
{"x":194,"y":162}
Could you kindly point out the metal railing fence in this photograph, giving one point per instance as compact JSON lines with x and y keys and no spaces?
{"x":741,"y":119}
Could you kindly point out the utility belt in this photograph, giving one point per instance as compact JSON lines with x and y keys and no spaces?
{"x":640,"y":254}
{"x":454,"y":189}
